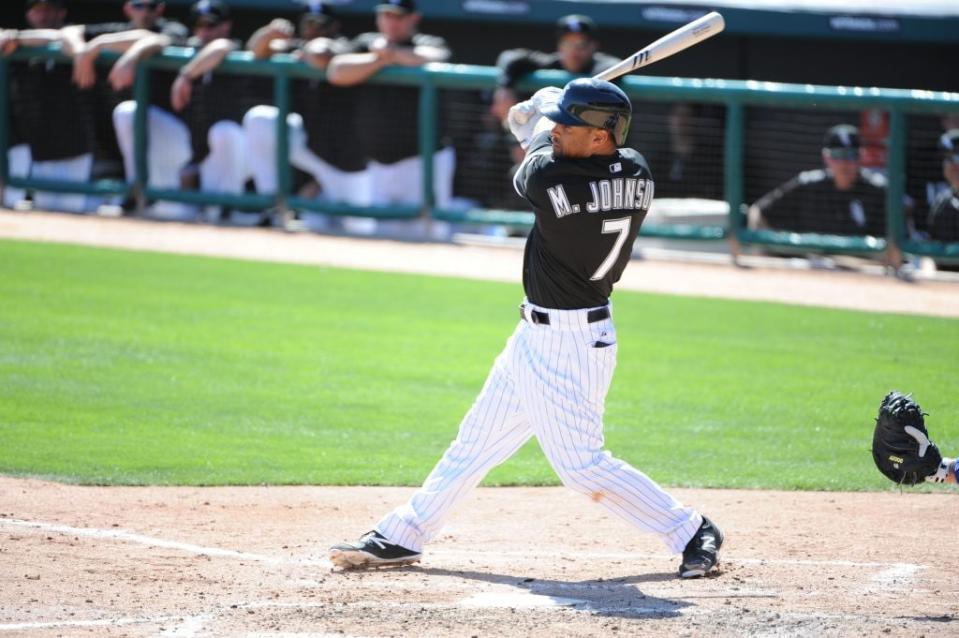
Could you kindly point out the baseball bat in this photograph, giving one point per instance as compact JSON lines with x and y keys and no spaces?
{"x":670,"y":44}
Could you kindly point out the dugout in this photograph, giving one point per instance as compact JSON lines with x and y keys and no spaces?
{"x":804,"y":43}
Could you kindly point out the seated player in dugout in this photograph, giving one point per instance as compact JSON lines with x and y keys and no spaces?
{"x":840,"y":199}
{"x":141,"y":19}
{"x":577,"y":52}
{"x":51,"y":121}
{"x":943,"y":222}
{"x":194,"y":132}
{"x":387,"y":116}
{"x":321,"y":121}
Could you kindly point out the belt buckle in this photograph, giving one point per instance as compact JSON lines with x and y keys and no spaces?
{"x":524,"y":311}
{"x":528,"y":314}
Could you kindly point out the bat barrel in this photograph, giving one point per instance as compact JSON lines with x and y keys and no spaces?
{"x":670,"y":44}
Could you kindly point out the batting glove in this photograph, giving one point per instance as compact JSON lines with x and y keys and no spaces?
{"x":942,"y":474}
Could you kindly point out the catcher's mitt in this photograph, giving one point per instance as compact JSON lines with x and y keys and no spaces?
{"x":900,"y":444}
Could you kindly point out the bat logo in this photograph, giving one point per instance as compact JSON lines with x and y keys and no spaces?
{"x":640,"y":58}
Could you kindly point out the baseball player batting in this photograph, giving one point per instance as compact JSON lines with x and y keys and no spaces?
{"x":590,"y":196}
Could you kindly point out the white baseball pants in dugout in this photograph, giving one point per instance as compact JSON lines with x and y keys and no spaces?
{"x":549,"y":382}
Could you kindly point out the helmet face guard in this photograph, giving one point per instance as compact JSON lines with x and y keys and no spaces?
{"x":594,"y":103}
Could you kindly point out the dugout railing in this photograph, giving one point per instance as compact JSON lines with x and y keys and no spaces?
{"x":733,"y":95}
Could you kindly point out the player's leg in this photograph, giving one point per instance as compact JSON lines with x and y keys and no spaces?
{"x":259,"y":128}
{"x":444,"y":169}
{"x":404,"y":185}
{"x":73,"y":169}
{"x":18,"y":161}
{"x":376,"y":195}
{"x":225,"y":168}
{"x":569,"y":368}
{"x":493,"y":429}
{"x":168,"y":144}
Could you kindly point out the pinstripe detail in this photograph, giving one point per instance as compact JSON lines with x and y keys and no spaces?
{"x":551,"y":383}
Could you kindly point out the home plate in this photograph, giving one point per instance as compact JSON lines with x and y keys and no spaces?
{"x":517,"y":600}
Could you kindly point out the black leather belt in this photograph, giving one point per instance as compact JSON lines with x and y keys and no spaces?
{"x":537,"y":317}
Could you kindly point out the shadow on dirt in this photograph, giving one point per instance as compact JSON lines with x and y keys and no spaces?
{"x":618,"y":597}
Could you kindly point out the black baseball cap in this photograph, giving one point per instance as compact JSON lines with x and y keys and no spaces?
{"x":949,"y":145}
{"x":318,"y":10}
{"x":576,"y":23}
{"x":214,"y":11}
{"x":842,"y":142}
{"x":402,"y":7}
{"x":54,"y":3}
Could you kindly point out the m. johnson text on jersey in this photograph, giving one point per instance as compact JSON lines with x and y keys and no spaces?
{"x":620,"y":193}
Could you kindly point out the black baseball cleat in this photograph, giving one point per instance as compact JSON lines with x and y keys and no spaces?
{"x":702,"y":551}
{"x":372,"y":550}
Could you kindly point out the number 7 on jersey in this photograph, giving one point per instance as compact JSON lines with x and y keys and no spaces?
{"x":610,"y":226}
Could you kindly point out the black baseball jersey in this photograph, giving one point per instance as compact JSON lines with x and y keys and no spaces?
{"x":944,"y":217}
{"x":387,"y":116}
{"x":48,"y":111}
{"x":329,"y":114}
{"x":177,"y":33}
{"x":515,"y":63}
{"x":588,"y":213}
{"x":810,"y":203}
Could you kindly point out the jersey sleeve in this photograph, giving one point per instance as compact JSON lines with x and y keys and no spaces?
{"x":91,"y":31}
{"x":363,"y":42}
{"x":177,"y":32}
{"x":515,"y":63}
{"x":539,"y":154}
{"x":434,"y":41}
{"x":777,"y":206}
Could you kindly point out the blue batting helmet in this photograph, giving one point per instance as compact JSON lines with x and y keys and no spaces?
{"x":592,"y":102}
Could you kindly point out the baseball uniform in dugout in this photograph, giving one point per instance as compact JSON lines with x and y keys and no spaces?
{"x":52,"y":124}
{"x":841,"y":199}
{"x":944,"y":214}
{"x":387,"y":126}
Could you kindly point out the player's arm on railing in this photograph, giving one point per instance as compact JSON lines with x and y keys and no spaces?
{"x":318,"y":52}
{"x":124,"y":69}
{"x":84,"y":60}
{"x":10,"y":39}
{"x":348,"y":69}
{"x":263,"y":43}
{"x":419,"y":55}
{"x":207,"y":59}
{"x":71,"y":39}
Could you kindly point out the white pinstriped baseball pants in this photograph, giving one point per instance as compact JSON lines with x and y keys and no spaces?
{"x":549,"y":382}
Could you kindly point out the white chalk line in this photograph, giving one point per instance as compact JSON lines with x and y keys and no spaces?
{"x":892,"y":571}
{"x":152,"y":541}
{"x":104,"y":622}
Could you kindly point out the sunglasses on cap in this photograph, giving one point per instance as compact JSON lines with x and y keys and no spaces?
{"x":842,"y":153}
{"x":142,"y":5}
{"x":574,"y":45}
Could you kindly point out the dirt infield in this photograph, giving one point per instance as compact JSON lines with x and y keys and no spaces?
{"x":523,"y":562}
{"x":513,"y":562}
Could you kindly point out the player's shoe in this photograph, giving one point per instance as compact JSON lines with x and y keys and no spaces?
{"x":702,"y":551}
{"x":372,"y":550}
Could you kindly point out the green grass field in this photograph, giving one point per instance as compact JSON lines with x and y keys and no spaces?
{"x":134,"y":368}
